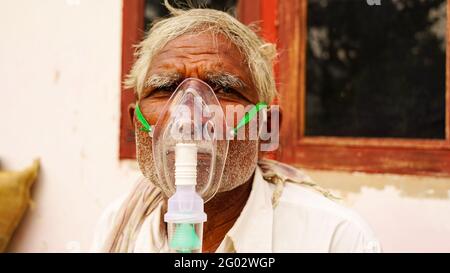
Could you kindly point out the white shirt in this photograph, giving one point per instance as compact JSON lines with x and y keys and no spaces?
{"x":303,"y":221}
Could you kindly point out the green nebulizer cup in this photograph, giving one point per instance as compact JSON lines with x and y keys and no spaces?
{"x":185,"y":213}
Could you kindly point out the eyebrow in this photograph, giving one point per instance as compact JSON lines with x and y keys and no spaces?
{"x":162,"y":80}
{"x":226,"y":80}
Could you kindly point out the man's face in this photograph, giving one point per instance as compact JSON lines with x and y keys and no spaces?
{"x":213,"y":59}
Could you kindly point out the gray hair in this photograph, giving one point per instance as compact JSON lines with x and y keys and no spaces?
{"x":258,"y":54}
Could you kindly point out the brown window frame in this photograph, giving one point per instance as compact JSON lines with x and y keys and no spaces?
{"x":132,"y":33}
{"x":373,"y":155}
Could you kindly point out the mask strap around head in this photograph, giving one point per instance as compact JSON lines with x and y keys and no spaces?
{"x":244,"y":121}
{"x":146,"y":126}
{"x":250,"y":115}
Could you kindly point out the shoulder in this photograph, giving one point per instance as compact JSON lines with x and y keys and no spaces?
{"x":321,"y":224}
{"x":306,"y":198}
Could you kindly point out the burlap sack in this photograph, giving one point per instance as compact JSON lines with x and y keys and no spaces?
{"x":14,"y":200}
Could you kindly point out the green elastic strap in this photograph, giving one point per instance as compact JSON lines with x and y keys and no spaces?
{"x":250,"y":115}
{"x":245,"y":120}
{"x":146,"y":126}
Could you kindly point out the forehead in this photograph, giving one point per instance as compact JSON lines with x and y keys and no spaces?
{"x":205,"y":41}
{"x":192,"y":54}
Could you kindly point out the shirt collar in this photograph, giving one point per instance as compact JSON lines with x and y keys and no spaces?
{"x":252,"y":231}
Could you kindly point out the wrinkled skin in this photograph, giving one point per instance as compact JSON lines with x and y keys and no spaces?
{"x":196,"y":55}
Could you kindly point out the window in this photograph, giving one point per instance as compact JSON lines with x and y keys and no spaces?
{"x":375,"y":71}
{"x":364,"y":87}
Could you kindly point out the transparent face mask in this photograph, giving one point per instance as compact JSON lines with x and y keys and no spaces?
{"x":193,"y":114}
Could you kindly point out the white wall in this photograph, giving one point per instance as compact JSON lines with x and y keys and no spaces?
{"x":60,"y":98}
{"x":408,"y":213}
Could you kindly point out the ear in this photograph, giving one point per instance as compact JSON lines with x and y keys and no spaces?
{"x":270,"y":137}
{"x":131,"y":109}
{"x":273,"y":112}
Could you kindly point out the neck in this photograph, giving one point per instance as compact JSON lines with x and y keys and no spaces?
{"x":223,"y":211}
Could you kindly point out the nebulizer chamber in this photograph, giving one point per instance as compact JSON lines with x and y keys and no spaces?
{"x":185,"y":214}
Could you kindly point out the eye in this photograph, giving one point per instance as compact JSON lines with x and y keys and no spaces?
{"x":225,"y":90}
{"x":228,"y":93}
{"x":162,"y":91}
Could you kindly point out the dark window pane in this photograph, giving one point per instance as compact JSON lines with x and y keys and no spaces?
{"x":376,"y":71}
{"x":155,"y":9}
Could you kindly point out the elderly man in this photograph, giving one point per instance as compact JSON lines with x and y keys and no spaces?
{"x":261,"y":205}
